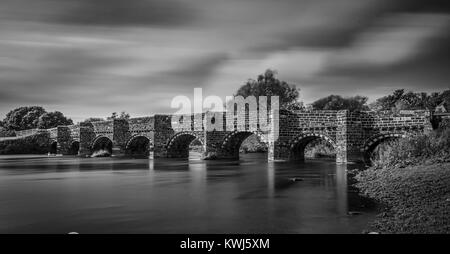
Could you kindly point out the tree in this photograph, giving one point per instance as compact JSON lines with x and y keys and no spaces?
{"x":387,"y":102}
{"x":123,"y":115}
{"x":6,"y":133}
{"x":23,"y":118}
{"x":268,"y":85}
{"x":337,"y":102}
{"x":93,"y":119}
{"x":53,"y":119}
{"x":400,"y":100}
{"x":444,"y":97}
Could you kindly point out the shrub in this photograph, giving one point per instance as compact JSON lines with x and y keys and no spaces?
{"x":444,"y":123}
{"x":253,"y":145}
{"x":36,"y":144}
{"x":433,"y":146}
{"x":319,"y":148}
{"x":6,"y":133}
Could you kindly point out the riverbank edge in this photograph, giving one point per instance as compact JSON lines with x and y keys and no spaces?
{"x":414,"y":199}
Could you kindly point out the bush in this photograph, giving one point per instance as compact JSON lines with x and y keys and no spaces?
{"x":444,"y":123}
{"x":36,"y":144}
{"x":411,"y":178}
{"x":434,"y":146}
{"x":6,"y":133}
{"x":319,"y":148}
{"x":253,"y":145}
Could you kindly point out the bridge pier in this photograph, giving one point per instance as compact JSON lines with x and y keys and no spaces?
{"x":121,"y":134}
{"x":348,"y":138}
{"x":63,"y":140}
{"x":87,"y":135}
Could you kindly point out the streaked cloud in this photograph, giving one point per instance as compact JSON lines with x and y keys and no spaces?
{"x":93,"y":57}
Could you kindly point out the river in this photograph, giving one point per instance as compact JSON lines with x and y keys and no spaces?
{"x":40,"y":194}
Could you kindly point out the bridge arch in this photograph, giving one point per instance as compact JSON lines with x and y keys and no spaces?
{"x":232,"y":142}
{"x":74,"y":147}
{"x":178,"y":145}
{"x":139,"y":145}
{"x":53,"y":146}
{"x":374,"y":141}
{"x":298,"y":144}
{"x":102,"y":143}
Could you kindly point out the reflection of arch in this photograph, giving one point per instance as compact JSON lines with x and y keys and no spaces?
{"x":298,"y":144}
{"x":374,"y":141}
{"x":53,"y":147}
{"x":139,"y":145}
{"x":74,"y":147}
{"x":233,"y":141}
{"x":102,"y":143}
{"x":178,"y":145}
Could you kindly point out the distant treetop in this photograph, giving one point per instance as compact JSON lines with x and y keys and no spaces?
{"x":401,"y":100}
{"x":268,"y":85}
{"x":31,"y":117}
{"x":337,"y":102}
{"x":123,"y":115}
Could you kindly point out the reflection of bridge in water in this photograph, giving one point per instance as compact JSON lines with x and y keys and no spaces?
{"x":352,"y":134}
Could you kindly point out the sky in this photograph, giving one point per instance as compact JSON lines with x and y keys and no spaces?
{"x":88,"y":58}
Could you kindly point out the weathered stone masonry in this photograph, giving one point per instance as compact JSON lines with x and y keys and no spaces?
{"x":352,"y":134}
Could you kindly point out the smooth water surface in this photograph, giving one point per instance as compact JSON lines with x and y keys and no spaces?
{"x":115,"y":195}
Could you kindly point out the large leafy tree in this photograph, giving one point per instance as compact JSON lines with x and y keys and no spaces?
{"x":31,"y":117}
{"x":23,"y":118}
{"x":53,"y":119}
{"x":337,"y":102}
{"x":6,"y":133}
{"x":268,"y":85}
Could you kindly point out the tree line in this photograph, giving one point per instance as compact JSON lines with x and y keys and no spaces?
{"x":32,"y":117}
{"x":268,"y":84}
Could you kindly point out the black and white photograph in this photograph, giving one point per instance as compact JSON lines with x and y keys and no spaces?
{"x":217,"y":117}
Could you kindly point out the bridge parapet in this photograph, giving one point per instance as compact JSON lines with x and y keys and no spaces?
{"x":141,"y":124}
{"x":74,"y":131}
{"x":29,"y":132}
{"x":104,"y":128}
{"x":306,"y":119}
{"x":372,"y":119}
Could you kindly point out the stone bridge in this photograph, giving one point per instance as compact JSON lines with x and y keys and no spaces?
{"x":352,"y":134}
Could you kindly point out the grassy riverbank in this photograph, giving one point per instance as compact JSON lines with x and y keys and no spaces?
{"x":411,"y":179}
{"x":416,"y":198}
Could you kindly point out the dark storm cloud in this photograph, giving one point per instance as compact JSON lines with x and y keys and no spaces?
{"x":429,"y":57}
{"x":341,"y":27}
{"x":418,"y":6}
{"x":100,"y":12}
{"x":422,"y":68}
{"x":128,"y":13}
